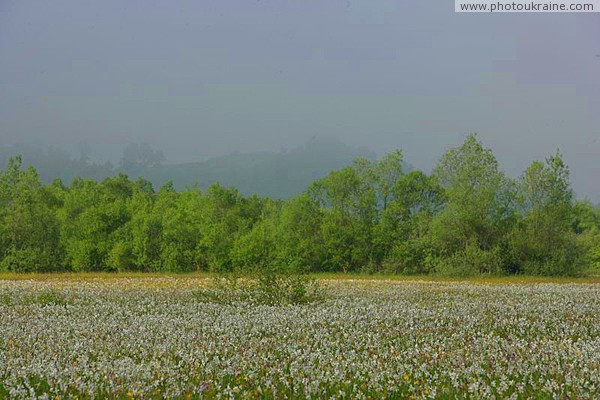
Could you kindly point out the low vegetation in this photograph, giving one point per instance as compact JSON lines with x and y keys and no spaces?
{"x":155,"y":337}
{"x":269,"y":288}
{"x":465,"y":219}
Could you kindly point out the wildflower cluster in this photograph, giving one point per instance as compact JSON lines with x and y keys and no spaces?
{"x":153,"y":338}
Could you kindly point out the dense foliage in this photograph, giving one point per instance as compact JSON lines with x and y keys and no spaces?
{"x":466,"y":218}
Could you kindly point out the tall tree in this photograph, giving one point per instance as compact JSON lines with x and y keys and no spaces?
{"x":479,"y":207}
{"x":29,"y":231}
{"x":403,"y":234}
{"x":388,"y":171}
{"x":348,"y":201}
{"x":545,"y":241}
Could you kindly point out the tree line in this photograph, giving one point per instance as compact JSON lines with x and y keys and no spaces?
{"x":465,"y":218}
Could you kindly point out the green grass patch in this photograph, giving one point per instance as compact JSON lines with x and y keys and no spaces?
{"x":510,"y":279}
{"x":82,"y":276}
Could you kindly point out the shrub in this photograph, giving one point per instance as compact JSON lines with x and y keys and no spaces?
{"x":279,"y":289}
{"x":50,"y":297}
{"x":267,"y":287}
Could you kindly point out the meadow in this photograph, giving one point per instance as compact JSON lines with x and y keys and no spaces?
{"x":159,"y":336}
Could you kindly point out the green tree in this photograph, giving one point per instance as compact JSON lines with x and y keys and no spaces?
{"x":29,"y":231}
{"x":142,"y":251}
{"x":255,"y":250}
{"x":300,"y":241}
{"x":388,"y":171}
{"x":95,"y":218}
{"x":545,"y":242}
{"x":403,"y":234}
{"x":480,"y":203}
{"x":182,"y":229}
{"x":348,"y":202}
{"x":586,"y":225}
{"x":223,"y":222}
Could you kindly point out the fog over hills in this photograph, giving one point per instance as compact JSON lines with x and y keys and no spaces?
{"x":204,"y":79}
{"x":276,"y":174}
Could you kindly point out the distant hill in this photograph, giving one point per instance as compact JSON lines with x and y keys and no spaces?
{"x":278,"y":175}
{"x":54,"y":162}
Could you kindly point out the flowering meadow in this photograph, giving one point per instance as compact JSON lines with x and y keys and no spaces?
{"x":156,"y":338}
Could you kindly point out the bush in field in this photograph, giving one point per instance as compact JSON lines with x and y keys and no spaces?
{"x":48,"y":297}
{"x":268,"y":287}
{"x":278,"y":288}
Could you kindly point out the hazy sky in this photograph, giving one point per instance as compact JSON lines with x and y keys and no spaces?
{"x":203,"y":78}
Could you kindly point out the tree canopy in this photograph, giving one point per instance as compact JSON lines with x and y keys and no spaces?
{"x":466,"y":218}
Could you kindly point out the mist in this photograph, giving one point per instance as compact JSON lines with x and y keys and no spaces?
{"x":200,"y":79}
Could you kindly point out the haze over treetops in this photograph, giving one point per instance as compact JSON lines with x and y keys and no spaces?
{"x":466,"y":218}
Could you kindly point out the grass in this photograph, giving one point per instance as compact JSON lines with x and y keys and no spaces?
{"x":83,"y":276}
{"x":489,"y":279}
{"x":590,"y":277}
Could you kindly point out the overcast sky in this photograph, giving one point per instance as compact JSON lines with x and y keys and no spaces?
{"x":203,"y":78}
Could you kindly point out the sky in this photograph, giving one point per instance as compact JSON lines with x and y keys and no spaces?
{"x":203,"y":78}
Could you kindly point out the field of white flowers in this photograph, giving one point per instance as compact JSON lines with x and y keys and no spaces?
{"x":155,"y":338}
